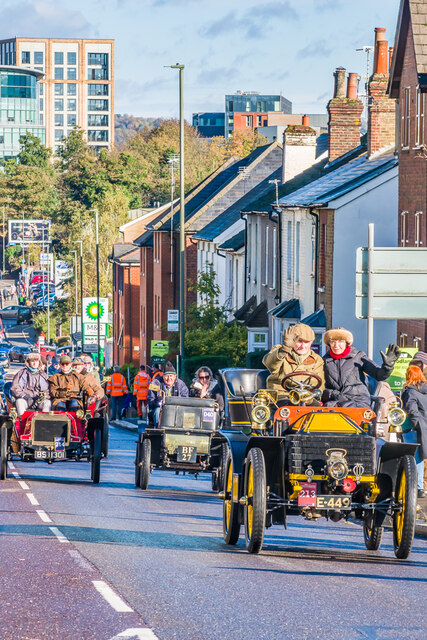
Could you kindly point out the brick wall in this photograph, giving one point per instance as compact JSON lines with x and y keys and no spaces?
{"x":382,"y":115}
{"x":412,"y":183}
{"x":146,"y":303}
{"x":326,"y":261}
{"x":344,"y":126}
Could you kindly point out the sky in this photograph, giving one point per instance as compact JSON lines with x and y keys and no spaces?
{"x":274,"y":46}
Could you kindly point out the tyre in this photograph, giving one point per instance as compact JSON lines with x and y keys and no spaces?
{"x":105,"y":435}
{"x":222,"y":464}
{"x":144,"y":476}
{"x":256,"y":499}
{"x":406,"y":498}
{"x":230,"y":512}
{"x":3,"y":453}
{"x":96,"y":455}
{"x":138,"y":461}
{"x":372,"y":535}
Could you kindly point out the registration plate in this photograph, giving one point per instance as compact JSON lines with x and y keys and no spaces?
{"x":186,"y":454}
{"x":333,"y":502}
{"x":307,"y":495}
{"x":42,"y":454}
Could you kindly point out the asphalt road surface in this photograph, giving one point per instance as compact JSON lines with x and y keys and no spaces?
{"x":73,"y":553}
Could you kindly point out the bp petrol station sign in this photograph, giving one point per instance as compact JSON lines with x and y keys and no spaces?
{"x":91,"y":312}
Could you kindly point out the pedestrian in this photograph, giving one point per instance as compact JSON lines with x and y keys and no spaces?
{"x":171,"y":385}
{"x":414,"y":401}
{"x":420,"y":361}
{"x":204,"y":385}
{"x":140,"y":389}
{"x":157,"y":372}
{"x":5,"y":293}
{"x":346,"y":369}
{"x":116,"y":390}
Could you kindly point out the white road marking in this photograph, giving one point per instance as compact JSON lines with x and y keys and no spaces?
{"x":111,"y":597}
{"x":140,"y":633}
{"x":56,"y":532}
{"x":32,"y":498}
{"x":11,"y":465}
{"x":15,"y":474}
{"x":23,"y":485}
{"x":43,"y":515}
{"x":79,"y":559}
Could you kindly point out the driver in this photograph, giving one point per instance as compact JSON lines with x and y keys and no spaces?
{"x":30,"y":386}
{"x":67,"y":386}
{"x":295,"y":354}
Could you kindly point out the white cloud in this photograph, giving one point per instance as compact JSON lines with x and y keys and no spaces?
{"x":43,"y":19}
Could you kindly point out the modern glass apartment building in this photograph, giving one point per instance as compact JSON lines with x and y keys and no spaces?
{"x":19,"y":95}
{"x":77,"y":87}
{"x":254,"y":106}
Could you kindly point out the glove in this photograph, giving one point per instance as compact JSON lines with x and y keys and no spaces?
{"x":330,"y":394}
{"x":393,"y":353}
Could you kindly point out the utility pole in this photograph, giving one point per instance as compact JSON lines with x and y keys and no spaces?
{"x":4,"y":242}
{"x":98,"y":319}
{"x":81,"y":286}
{"x":75,"y":279}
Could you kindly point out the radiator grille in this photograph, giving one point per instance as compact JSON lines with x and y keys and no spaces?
{"x":45,"y":429}
{"x":302,"y":450}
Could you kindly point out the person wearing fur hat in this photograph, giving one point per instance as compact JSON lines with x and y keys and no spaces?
{"x":347,"y":368}
{"x":171,"y":385}
{"x":295,"y":354}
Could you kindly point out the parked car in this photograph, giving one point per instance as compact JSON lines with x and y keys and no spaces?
{"x":5,"y":347}
{"x":18,"y":353}
{"x":42,"y":303}
{"x":16,"y":312}
{"x":4,"y":359}
{"x":37,"y":279}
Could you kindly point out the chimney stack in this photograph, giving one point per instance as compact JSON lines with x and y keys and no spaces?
{"x":344,"y":116}
{"x":299,"y":149}
{"x":306,"y":121}
{"x":381,"y":109}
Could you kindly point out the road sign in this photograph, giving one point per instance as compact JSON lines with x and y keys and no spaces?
{"x":91,"y":311}
{"x":398,"y":375}
{"x":29,"y":231}
{"x":94,"y":340}
{"x":173,"y":319}
{"x":398,"y":280}
{"x":91,"y":329}
{"x":159,"y":349}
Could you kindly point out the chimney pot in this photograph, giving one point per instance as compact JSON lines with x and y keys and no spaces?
{"x":382,"y":51}
{"x":339,"y":90}
{"x":379,"y":35}
{"x":306,"y":121}
{"x":352,"y":86}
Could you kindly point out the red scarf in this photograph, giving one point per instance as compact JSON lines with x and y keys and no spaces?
{"x":340,"y":355}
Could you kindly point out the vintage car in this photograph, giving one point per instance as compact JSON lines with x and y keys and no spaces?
{"x":187,"y":440}
{"x":292,"y":458}
{"x":54,"y":436}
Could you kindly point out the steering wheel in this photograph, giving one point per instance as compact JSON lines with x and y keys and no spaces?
{"x":305,"y":384}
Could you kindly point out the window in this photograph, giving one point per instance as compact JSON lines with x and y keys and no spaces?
{"x":71,"y":57}
{"x":97,"y":74}
{"x":25,"y":58}
{"x":97,"y":121}
{"x":403,"y":227}
{"x":71,"y":89}
{"x":248,"y":121}
{"x":41,"y":89}
{"x":267,"y":257}
{"x":97,"y":89}
{"x":406,"y":112}
{"x":97,"y":105}
{"x":71,"y":120}
{"x":297,"y":250}
{"x":277,"y":105}
{"x":71,"y":73}
{"x":97,"y":59}
{"x":418,"y":241}
{"x":59,"y":89}
{"x":41,"y":104}
{"x":230,"y":105}
{"x":274,"y":264}
{"x":71,"y":105}
{"x":38,"y":57}
{"x":59,"y":105}
{"x":59,"y":134}
{"x":59,"y":57}
{"x":96,"y":135}
{"x":59,"y":73}
{"x":419,"y":125}
{"x":59,"y":120}
{"x":289,"y":252}
{"x":248,"y":105}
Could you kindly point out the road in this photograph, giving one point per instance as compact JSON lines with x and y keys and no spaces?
{"x":162,"y":553}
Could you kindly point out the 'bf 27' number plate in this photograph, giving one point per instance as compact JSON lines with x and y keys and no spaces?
{"x":186,"y":454}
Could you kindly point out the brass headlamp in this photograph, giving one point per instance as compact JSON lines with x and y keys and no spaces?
{"x":396,"y":416}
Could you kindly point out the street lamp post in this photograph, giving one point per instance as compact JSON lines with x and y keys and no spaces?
{"x":98,"y":319}
{"x":75,"y":279}
{"x":4,"y":242}
{"x":181,"y":216}
{"x":81,"y":286}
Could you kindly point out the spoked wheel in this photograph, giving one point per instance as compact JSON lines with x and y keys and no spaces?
{"x":230,"y":512}
{"x":144,"y":476}
{"x":406,"y":497}
{"x":3,"y":453}
{"x":372,"y":535}
{"x":96,"y":456}
{"x":256,"y":499}
{"x":105,"y":435}
{"x":138,"y":461}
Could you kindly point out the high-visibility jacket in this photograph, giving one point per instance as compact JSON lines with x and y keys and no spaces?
{"x":158,"y":374}
{"x":116,"y":386}
{"x":141,"y":384}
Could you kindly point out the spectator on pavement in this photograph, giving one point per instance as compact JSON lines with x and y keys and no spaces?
{"x":30,"y":386}
{"x":156,"y":372}
{"x":67,"y":387}
{"x":140,"y":389}
{"x":414,"y":401}
{"x":171,"y":385}
{"x":116,"y":390}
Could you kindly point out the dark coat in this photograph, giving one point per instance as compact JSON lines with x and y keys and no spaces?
{"x":154,"y":399}
{"x":345,"y":379}
{"x":214,"y":392}
{"x":415,"y":404}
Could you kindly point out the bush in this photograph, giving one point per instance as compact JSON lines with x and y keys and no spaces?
{"x":254,"y":359}
{"x":228,"y":341}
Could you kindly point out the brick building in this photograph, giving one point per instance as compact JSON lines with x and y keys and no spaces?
{"x":126,"y":288}
{"x":408,"y":84}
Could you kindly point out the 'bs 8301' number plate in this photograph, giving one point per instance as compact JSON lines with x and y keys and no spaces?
{"x":43,"y":454}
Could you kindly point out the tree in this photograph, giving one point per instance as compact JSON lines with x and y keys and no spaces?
{"x":33,"y":153}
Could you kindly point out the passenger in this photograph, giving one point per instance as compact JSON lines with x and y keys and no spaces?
{"x":98,"y":392}
{"x":204,"y":385}
{"x":295,"y":354}
{"x":67,"y":387}
{"x":90,"y":366}
{"x":171,"y":385}
{"x":30,"y":386}
{"x":347,"y":368}
{"x":54,"y":366}
{"x":414,"y":401}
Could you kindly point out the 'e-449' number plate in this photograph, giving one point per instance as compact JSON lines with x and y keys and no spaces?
{"x":186,"y":454}
{"x":333,"y":502}
{"x":42,"y":454}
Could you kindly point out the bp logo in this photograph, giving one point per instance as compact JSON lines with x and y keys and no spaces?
{"x":93,"y":311}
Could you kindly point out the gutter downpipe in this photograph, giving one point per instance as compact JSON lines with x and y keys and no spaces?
{"x":316,"y":260}
{"x":245,"y":218}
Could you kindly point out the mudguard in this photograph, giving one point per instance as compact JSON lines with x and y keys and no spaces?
{"x":237,"y":443}
{"x":6,"y":420}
